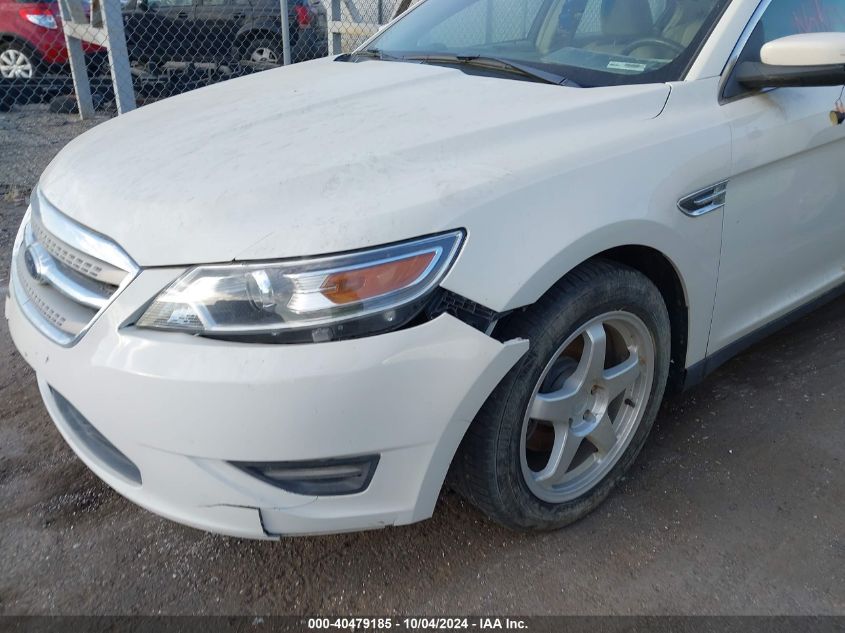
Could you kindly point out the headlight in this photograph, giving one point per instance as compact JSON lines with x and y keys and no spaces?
{"x":307,"y":300}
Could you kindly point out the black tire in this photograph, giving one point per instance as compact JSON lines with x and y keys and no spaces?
{"x":487,"y":469}
{"x":25,"y":50}
{"x":252,"y":47}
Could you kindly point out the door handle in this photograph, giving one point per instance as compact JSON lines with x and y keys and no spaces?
{"x":239,"y":16}
{"x":181,"y":15}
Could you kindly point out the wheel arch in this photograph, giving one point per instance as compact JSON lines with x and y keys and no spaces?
{"x":8,"y":38}
{"x":664,"y":274}
{"x":254,"y":31}
{"x":662,"y":271}
{"x":263,"y":26}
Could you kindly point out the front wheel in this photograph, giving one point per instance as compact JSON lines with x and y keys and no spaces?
{"x":263,"y":50}
{"x":17,"y":61}
{"x":567,"y":422}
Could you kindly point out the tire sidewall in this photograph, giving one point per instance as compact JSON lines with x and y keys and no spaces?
{"x":627,"y":292}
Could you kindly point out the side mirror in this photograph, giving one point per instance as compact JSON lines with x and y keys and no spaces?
{"x":810,"y":59}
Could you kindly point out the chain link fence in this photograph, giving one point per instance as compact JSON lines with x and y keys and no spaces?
{"x":113,"y":55}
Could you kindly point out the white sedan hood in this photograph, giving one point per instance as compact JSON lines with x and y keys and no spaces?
{"x":325,"y":156}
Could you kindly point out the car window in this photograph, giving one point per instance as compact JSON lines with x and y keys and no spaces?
{"x":591,"y":42}
{"x":165,"y":4}
{"x":481,"y":23}
{"x":591,"y":21}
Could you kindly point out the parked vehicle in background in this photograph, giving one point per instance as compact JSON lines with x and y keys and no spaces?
{"x":488,"y":242}
{"x":222,"y":31}
{"x":31,"y":40}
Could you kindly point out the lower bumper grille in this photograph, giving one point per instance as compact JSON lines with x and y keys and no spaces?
{"x":103,"y":451}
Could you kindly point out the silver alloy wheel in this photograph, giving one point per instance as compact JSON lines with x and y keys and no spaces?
{"x":264,"y":54}
{"x":587,"y":406}
{"x":15,"y":64}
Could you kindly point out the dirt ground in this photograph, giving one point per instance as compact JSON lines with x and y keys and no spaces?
{"x":29,"y":138}
{"x":736,"y":506}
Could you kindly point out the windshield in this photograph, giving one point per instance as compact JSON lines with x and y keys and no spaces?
{"x":591,"y":42}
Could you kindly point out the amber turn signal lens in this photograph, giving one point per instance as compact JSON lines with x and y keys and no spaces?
{"x":350,"y":286}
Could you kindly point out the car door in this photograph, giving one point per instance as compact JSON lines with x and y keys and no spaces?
{"x":160,"y":30}
{"x":784,"y":223}
{"x":217,"y":24}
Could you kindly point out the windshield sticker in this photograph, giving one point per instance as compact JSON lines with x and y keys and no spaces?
{"x":626,"y":66}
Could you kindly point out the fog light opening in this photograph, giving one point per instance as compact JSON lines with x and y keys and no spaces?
{"x":325,"y":477}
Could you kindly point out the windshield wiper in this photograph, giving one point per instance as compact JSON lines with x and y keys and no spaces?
{"x":478,"y":61}
{"x":373,"y":53}
{"x":494,"y":63}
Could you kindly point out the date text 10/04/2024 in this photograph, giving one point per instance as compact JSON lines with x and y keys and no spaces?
{"x":416,"y":624}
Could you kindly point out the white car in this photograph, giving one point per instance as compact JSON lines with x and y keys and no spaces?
{"x":481,"y":246}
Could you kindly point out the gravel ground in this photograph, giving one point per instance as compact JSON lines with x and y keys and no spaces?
{"x":736,"y":506}
{"x":29,"y":138}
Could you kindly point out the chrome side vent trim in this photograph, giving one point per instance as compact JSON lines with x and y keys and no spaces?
{"x":704,"y":201}
{"x":64,"y":274}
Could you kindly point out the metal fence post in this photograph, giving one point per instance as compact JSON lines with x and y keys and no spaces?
{"x":73,"y":15}
{"x":403,"y":6}
{"x":285,"y":32}
{"x":121,"y":73}
{"x":335,"y":44}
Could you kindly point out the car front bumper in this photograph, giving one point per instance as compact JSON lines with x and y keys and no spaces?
{"x":181,"y":408}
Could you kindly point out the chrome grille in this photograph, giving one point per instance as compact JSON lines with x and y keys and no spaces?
{"x":46,"y":311}
{"x":64,"y":254}
{"x":64,"y":274}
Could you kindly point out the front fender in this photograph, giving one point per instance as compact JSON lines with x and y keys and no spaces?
{"x":624,"y":191}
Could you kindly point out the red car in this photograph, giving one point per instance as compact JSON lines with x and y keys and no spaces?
{"x":31,"y":39}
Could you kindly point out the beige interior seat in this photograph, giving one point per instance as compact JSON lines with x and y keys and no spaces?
{"x":686,"y":21}
{"x":623,"y":22}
